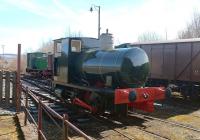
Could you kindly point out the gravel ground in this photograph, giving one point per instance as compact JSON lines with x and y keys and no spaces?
{"x":29,"y":131}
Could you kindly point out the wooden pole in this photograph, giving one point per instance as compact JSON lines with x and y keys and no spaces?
{"x":18,"y":78}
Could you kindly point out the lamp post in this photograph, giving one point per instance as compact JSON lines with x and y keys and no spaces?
{"x":94,"y":7}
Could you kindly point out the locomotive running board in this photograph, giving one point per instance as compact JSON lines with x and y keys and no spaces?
{"x":100,"y":90}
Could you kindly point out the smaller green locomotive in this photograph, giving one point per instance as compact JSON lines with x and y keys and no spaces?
{"x":39,"y":64}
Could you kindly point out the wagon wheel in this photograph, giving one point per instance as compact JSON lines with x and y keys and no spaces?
{"x":185,"y":91}
{"x":194,"y":93}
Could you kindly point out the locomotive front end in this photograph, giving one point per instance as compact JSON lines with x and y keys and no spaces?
{"x":125,"y":70}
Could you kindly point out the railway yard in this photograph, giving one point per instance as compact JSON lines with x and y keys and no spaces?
{"x":86,"y":99}
{"x":137,"y":77}
{"x":173,"y":119}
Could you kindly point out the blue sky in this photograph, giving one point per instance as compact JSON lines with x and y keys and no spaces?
{"x":31,"y":22}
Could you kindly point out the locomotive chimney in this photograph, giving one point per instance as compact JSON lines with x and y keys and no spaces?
{"x":106,"y":41}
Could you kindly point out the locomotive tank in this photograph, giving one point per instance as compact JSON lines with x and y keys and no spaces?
{"x":120,"y":68}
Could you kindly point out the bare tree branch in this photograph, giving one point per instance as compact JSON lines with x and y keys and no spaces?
{"x":192,"y":29}
{"x":149,"y":36}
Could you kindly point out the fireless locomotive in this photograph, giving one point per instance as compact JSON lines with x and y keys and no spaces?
{"x":90,"y":73}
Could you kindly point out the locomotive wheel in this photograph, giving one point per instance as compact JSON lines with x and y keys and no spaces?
{"x":98,"y":103}
{"x":121,"y":110}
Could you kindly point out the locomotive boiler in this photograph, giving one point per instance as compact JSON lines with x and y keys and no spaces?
{"x":90,"y":73}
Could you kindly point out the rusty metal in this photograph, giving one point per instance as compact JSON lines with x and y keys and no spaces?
{"x":26,"y":106}
{"x":51,"y":112}
{"x":27,"y":111}
{"x":67,"y":122}
{"x":65,"y":127}
{"x":31,"y":117}
{"x":42,"y":135}
{"x":51,"y":118}
{"x":18,"y":79}
{"x":39,"y":120}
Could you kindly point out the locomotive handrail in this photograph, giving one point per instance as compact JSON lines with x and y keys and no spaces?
{"x":50,"y":113}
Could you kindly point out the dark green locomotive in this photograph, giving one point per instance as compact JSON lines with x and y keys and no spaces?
{"x":90,"y":73}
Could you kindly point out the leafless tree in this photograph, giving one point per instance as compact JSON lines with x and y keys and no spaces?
{"x":192,"y":30}
{"x":46,"y":47}
{"x":149,"y":36}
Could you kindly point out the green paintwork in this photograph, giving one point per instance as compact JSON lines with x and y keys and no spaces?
{"x":37,"y":60}
{"x":41,"y":63}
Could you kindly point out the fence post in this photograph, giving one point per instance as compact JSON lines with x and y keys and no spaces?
{"x":18,"y":79}
{"x":7,"y":88}
{"x":39,"y":120}
{"x":14,"y":89}
{"x":65,"y":127}
{"x":26,"y":106}
{"x":1,"y":85}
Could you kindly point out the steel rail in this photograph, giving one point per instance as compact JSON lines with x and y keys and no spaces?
{"x":165,"y":121}
{"x":29,"y":114}
{"x":103,"y":119}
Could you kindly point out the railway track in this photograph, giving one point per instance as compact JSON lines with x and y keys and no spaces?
{"x":148,"y":118}
{"x":46,"y":95}
{"x":43,"y":93}
{"x":81,"y":120}
{"x":122,"y":124}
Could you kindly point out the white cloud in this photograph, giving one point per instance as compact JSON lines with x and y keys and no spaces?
{"x":126,"y":23}
{"x":54,"y":10}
